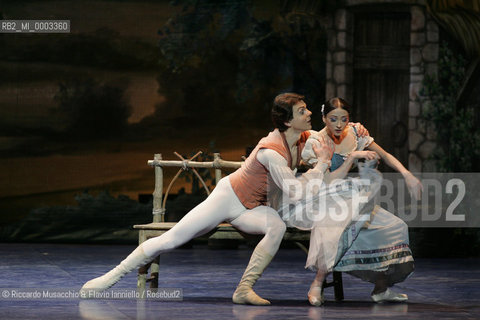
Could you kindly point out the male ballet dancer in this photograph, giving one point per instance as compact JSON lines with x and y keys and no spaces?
{"x":241,"y":199}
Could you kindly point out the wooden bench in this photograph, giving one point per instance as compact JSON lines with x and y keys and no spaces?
{"x":223,"y":231}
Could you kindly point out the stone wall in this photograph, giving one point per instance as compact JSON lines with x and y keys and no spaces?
{"x":424,"y":38}
{"x":339,"y":70}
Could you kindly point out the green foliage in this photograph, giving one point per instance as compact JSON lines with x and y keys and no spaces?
{"x":102,"y":48}
{"x":461,"y":19}
{"x":224,"y":61}
{"x":98,"y":218}
{"x":92,"y":109}
{"x":458,"y":136}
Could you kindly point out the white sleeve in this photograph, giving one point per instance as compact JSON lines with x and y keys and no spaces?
{"x":363,"y":142}
{"x":283,"y":176}
{"x":308,"y":155}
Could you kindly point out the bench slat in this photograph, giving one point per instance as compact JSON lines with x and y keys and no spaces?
{"x":222,"y":231}
{"x":169,"y":225}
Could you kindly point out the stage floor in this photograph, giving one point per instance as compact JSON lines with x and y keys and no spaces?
{"x":438,"y":289}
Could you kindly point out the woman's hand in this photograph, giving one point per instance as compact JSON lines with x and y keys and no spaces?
{"x":368,"y":155}
{"x":324,"y":149}
{"x":415,"y":187}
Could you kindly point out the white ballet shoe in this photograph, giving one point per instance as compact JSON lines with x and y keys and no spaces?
{"x":315,"y":296}
{"x":389,"y":296}
{"x":136,"y":259}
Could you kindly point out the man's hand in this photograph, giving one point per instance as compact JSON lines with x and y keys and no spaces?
{"x":324,"y":149}
{"x":361,"y":130}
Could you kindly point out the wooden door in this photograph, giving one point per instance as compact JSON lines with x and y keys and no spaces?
{"x":381,"y":78}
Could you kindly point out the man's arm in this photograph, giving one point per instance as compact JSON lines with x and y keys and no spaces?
{"x":283,"y":176}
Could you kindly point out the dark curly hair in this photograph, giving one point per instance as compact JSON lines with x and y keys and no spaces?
{"x":282,"y":109}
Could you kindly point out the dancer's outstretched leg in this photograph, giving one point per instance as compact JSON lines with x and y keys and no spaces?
{"x":260,"y":220}
{"x":221,"y":205}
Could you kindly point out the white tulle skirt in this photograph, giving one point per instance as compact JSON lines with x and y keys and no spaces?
{"x":349,"y":233}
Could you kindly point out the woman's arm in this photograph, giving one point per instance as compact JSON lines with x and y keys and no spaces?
{"x":414,"y":185}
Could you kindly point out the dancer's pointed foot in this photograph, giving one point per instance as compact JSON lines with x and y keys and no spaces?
{"x":315,"y":296}
{"x":102,"y":283}
{"x":246,"y":295}
{"x":389,"y":296}
{"x":136,"y":259}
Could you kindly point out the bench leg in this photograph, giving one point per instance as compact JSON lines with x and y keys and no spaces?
{"x":142,"y":277}
{"x":154,"y":269}
{"x":338,"y":285}
{"x":142,"y":271}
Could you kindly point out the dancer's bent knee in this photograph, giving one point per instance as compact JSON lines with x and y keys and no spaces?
{"x":273,"y":238}
{"x":276,"y":230}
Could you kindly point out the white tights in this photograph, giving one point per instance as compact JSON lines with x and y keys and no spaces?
{"x":221,"y":205}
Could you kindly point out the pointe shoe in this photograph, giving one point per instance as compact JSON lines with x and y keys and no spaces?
{"x":136,"y":259}
{"x":389,"y":296}
{"x":315,"y":296}
{"x":244,"y":293}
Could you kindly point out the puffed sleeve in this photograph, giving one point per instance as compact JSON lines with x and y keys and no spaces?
{"x":363,"y":142}
{"x":308,"y":155}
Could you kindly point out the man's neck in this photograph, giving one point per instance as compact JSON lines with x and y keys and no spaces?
{"x":292,"y":136}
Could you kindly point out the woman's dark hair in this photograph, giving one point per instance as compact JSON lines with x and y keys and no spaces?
{"x":282,"y":109}
{"x":335,"y":103}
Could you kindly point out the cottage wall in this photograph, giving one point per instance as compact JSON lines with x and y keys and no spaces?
{"x":424,"y":42}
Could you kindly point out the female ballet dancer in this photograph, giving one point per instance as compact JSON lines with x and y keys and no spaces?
{"x":241,"y":199}
{"x":376,"y":250}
